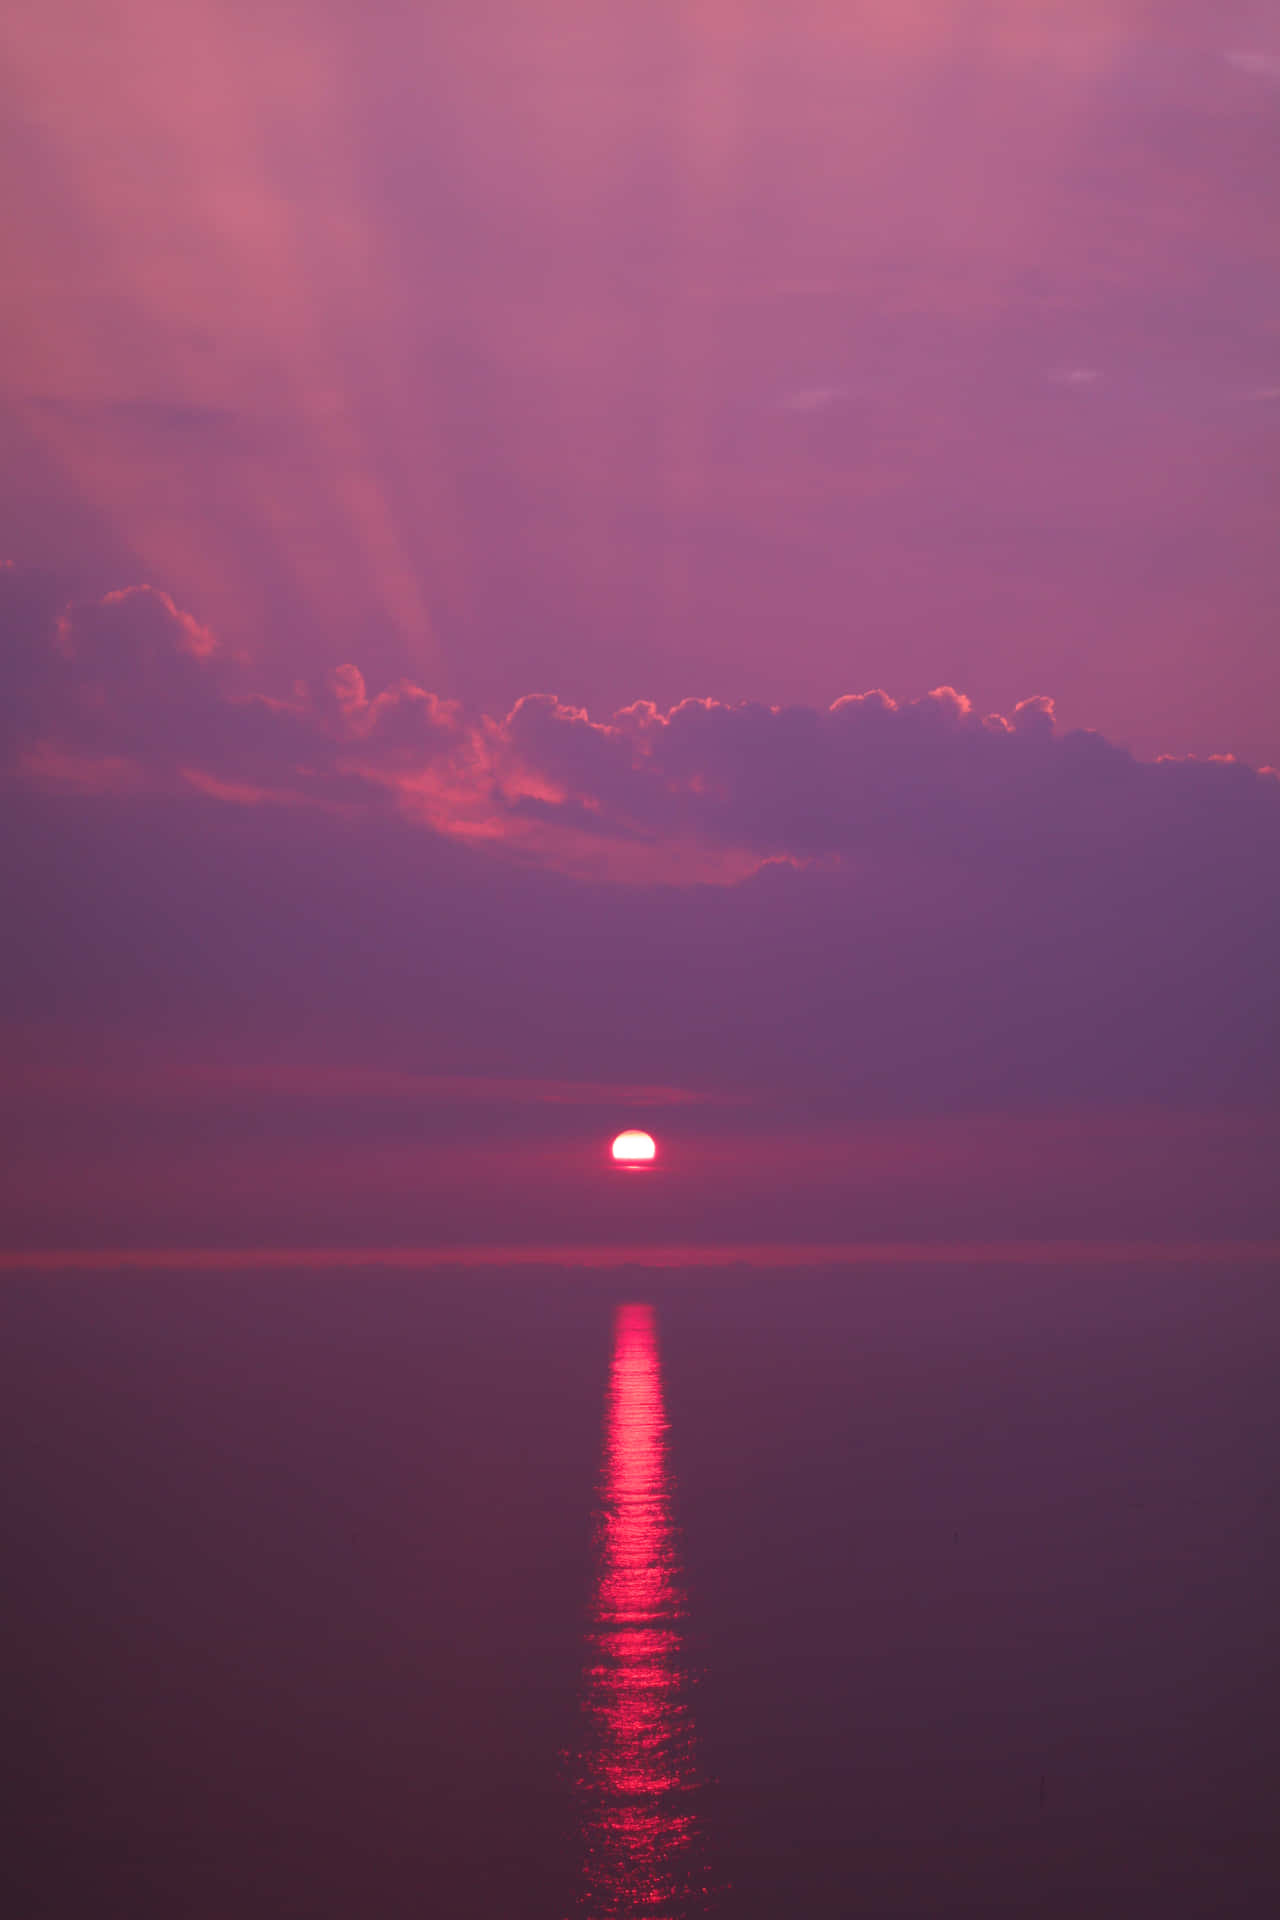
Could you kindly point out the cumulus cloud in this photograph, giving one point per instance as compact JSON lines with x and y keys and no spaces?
{"x":131,"y":691}
{"x":919,"y":906}
{"x":133,"y":682}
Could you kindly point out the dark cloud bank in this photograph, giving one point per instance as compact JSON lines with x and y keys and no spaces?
{"x":881,"y":910}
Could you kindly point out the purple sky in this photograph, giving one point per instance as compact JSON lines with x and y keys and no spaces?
{"x":426,"y":428}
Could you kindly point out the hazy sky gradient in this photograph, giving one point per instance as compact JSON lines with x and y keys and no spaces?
{"x":681,"y":349}
{"x":460,"y":462}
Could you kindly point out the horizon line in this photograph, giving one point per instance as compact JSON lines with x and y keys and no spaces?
{"x":767,"y":1255}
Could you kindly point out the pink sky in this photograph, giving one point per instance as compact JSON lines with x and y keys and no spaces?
{"x":459,"y":462}
{"x":673,"y":350}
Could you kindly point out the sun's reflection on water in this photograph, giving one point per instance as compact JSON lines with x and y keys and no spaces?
{"x":638,"y":1779}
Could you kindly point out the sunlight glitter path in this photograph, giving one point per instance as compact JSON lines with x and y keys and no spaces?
{"x":638,"y":1778}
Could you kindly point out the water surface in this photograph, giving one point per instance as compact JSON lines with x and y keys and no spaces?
{"x":343,"y":1593}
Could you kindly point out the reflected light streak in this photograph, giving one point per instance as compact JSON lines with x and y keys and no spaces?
{"x":638,"y":1781}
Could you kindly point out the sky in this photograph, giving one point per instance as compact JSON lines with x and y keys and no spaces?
{"x":697,"y":566}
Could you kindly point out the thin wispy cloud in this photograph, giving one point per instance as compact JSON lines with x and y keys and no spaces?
{"x":1260,"y":64}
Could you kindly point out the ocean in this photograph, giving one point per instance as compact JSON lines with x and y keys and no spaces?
{"x":923,"y":1589}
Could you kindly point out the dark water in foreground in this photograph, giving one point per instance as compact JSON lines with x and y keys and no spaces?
{"x":884,"y":1592}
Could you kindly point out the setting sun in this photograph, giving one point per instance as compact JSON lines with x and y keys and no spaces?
{"x":632,"y":1148}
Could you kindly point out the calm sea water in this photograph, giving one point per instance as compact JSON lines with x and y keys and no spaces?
{"x":521,"y":1596}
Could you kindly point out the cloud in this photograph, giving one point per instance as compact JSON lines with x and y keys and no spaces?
{"x":975,"y":977}
{"x":163,"y":417}
{"x":235,"y":1022}
{"x":1261,"y":64}
{"x":812,"y":399}
{"x":917,"y":906}
{"x":132,"y":685}
{"x":132,"y":691}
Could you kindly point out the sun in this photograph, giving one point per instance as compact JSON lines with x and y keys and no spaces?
{"x":632,"y":1149}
